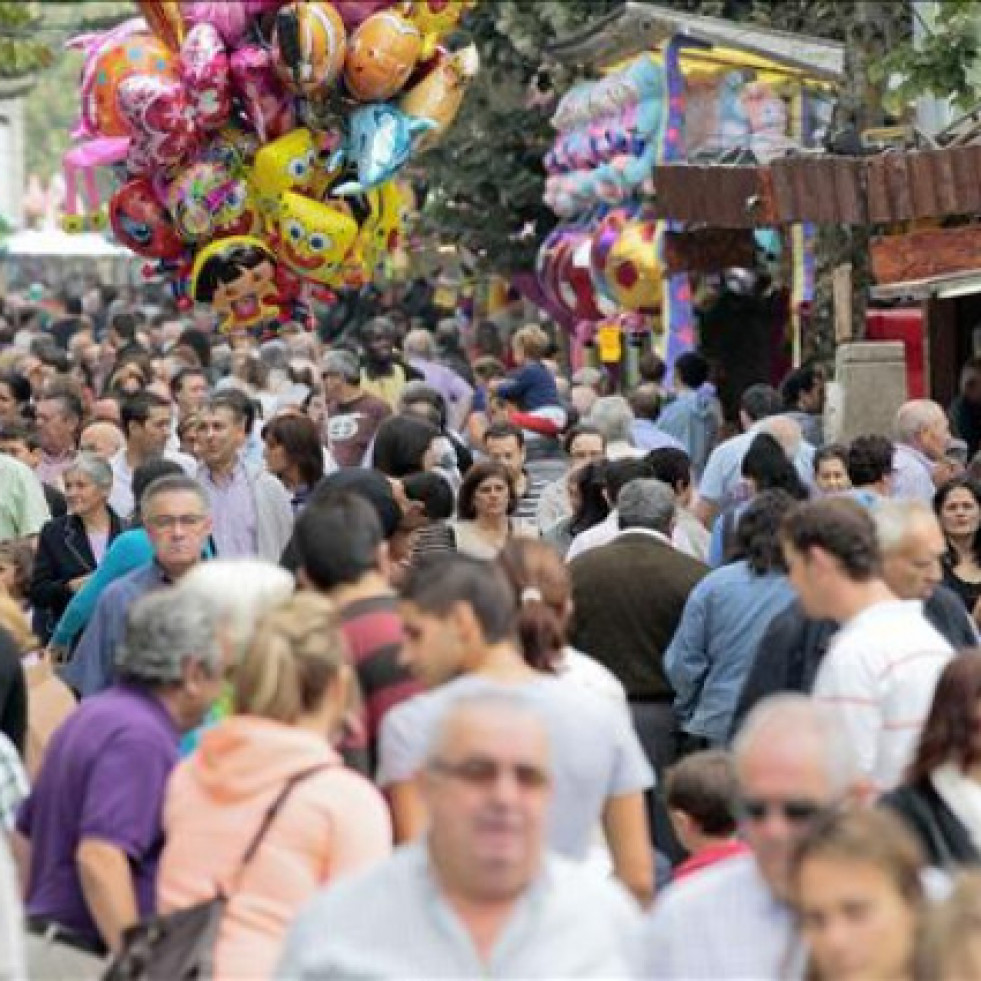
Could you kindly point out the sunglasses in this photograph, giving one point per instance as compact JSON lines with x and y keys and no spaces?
{"x":792,"y":811}
{"x":485,"y":773}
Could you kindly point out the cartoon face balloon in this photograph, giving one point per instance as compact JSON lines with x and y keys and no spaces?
{"x":141,"y":223}
{"x":206,"y":201}
{"x":313,"y":238}
{"x":309,"y":46}
{"x":286,"y":164}
{"x":236,"y":276}
{"x":380,"y":57}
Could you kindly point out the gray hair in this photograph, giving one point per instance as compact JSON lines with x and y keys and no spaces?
{"x":915,"y":416}
{"x":646,"y":503}
{"x":611,"y":415}
{"x":243,"y":591}
{"x":497,"y":700}
{"x":419,"y":343}
{"x":895,"y":520}
{"x":93,"y":467}
{"x":172,"y":484}
{"x":792,"y":717}
{"x":343,"y":363}
{"x":164,"y":629}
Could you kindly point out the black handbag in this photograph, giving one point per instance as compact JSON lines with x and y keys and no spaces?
{"x":181,"y":946}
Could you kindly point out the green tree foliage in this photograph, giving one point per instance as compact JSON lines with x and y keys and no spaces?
{"x":21,"y":52}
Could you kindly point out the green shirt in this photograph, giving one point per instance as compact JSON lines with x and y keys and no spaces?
{"x":23,"y":509}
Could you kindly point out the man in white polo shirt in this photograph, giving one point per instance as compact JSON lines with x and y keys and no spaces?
{"x":881,"y":669}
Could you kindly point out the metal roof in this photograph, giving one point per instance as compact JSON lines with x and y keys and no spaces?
{"x":637,"y":27}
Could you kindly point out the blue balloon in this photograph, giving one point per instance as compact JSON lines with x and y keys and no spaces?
{"x":380,"y":140}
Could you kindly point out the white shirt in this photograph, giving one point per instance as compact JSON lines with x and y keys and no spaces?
{"x":912,"y":474}
{"x":682,"y":537}
{"x":722,"y":924}
{"x":121,"y":498}
{"x":879,"y":676}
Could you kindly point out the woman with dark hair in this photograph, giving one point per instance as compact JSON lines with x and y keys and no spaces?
{"x":485,"y":509}
{"x":940,"y":799}
{"x":404,"y":445}
{"x":723,"y":622}
{"x":831,"y":469}
{"x":293,"y":454}
{"x":765,"y":467}
{"x":958,"y":506}
{"x":585,"y":486}
{"x":857,"y":878}
{"x":15,"y":397}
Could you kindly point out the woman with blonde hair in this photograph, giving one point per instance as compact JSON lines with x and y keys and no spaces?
{"x":858,"y":883}
{"x":290,"y":695}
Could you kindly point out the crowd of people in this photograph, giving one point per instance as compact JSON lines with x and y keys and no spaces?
{"x":382,"y":661}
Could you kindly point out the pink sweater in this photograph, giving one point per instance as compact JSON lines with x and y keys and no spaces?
{"x":332,"y":824}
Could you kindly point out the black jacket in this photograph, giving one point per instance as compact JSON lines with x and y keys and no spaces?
{"x":63,"y":554}
{"x":13,"y":692}
{"x":945,"y":840}
{"x":793,"y":647}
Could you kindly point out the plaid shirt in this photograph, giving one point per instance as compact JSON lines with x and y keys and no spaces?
{"x":13,"y":783}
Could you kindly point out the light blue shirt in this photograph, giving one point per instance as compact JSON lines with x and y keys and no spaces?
{"x":693,"y":419}
{"x":912,"y":474}
{"x":232,"y":507}
{"x":713,"y":648}
{"x":723,"y":924}
{"x":646,"y":435}
{"x":722,"y":482}
{"x":393,"y":922}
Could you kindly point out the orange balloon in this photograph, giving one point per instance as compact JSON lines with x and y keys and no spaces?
{"x":380,"y":57}
{"x":322,"y":46}
{"x":164,"y":18}
{"x":439,"y":94}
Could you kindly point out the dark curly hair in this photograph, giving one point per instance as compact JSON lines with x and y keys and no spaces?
{"x":758,"y":532}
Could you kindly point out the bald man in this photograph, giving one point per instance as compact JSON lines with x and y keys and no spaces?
{"x":516,"y":911}
{"x":104,"y":439}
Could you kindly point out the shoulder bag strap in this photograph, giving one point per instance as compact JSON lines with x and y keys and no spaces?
{"x":267,"y":819}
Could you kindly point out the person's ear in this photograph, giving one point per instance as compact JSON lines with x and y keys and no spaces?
{"x":383,"y":561}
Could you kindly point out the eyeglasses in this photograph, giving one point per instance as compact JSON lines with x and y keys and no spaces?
{"x":168,"y":522}
{"x":793,"y":811}
{"x":485,"y":773}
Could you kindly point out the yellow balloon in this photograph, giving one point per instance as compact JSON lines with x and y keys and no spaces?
{"x":313,"y":239}
{"x":434,"y":20}
{"x":634,"y":275}
{"x":287,"y":164}
{"x":439,"y":94}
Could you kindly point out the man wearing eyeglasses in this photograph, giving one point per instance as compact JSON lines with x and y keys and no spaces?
{"x":178,"y":524}
{"x":734,"y":921}
{"x":480,"y":896}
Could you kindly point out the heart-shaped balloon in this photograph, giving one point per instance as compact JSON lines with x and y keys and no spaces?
{"x":160,"y":118}
{"x":231,"y":18}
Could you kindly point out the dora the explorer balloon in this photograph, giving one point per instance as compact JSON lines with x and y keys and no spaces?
{"x":236,"y":276}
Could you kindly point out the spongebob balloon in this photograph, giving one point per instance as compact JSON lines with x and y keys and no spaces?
{"x":313,"y":239}
{"x":286,"y":164}
{"x":433,"y":19}
{"x":380,"y":234}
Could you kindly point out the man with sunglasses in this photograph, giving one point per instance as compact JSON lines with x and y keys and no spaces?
{"x":734,"y":921}
{"x":178,"y":524}
{"x":480,"y":896}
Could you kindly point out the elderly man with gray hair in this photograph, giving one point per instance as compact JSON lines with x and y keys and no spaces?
{"x":628,"y":598}
{"x":613,"y":417}
{"x":93,"y":820}
{"x":420,"y":352}
{"x":353,"y":415}
{"x":480,"y":896}
{"x":920,"y":464}
{"x":793,"y":763}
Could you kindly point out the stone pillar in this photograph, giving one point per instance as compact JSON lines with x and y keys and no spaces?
{"x":868,"y":389}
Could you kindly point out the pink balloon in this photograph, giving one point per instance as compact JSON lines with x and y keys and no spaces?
{"x":164,"y":134}
{"x":353,"y":12}
{"x":205,"y":71}
{"x":231,"y":18}
{"x":265,"y":100}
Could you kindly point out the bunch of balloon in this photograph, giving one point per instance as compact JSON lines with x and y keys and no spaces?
{"x":257,"y":144}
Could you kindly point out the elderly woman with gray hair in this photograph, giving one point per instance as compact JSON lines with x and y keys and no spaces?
{"x":71,"y":547}
{"x":93,"y":820}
